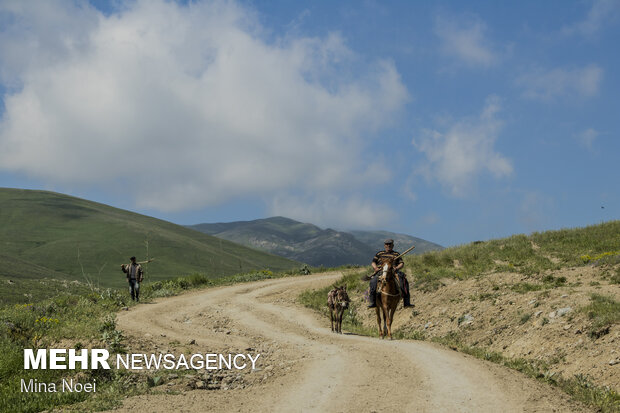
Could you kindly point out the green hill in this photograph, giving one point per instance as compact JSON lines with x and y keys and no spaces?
{"x":309,"y":243}
{"x":46,"y":234}
{"x":525,"y":254}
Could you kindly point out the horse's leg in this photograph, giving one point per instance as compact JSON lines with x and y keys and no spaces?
{"x":386,"y":331}
{"x":378,"y":311}
{"x":392,"y":310}
{"x":340,"y":314}
{"x":331,"y":316}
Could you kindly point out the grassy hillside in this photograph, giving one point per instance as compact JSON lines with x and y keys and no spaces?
{"x":295,"y":240}
{"x":523,"y":254}
{"x":45,"y":234}
{"x":546,"y":304}
{"x":23,"y":281}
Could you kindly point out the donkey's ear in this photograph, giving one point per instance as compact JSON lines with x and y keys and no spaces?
{"x":344,"y":287}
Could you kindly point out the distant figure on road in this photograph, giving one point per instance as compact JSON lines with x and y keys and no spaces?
{"x":134,"y":277}
{"x":388,"y":252}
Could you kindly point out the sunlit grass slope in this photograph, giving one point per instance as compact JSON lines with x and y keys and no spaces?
{"x":526,"y":254}
{"x":46,"y":234}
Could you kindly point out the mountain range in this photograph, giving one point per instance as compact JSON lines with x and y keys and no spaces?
{"x":310,"y":244}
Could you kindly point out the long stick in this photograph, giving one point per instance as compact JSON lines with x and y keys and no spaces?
{"x":410,"y":249}
{"x":145,"y":262}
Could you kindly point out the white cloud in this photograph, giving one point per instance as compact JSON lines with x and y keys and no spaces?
{"x":40,"y":33}
{"x":601,"y":12}
{"x":457,"y":157}
{"x":184,"y":106}
{"x":587,"y":137}
{"x":465,"y":41}
{"x":547,"y":85}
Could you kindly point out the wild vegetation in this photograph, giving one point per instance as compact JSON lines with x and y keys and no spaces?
{"x":523,"y":254}
{"x":541,"y":304}
{"x":84,"y":320}
{"x":604,"y":311}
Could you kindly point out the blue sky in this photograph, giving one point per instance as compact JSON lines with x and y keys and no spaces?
{"x":451,"y":121}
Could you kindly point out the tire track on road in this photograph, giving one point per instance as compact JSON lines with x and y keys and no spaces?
{"x":313,"y":369}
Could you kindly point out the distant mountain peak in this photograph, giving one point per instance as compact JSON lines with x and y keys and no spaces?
{"x":281,"y":219}
{"x":309,"y":243}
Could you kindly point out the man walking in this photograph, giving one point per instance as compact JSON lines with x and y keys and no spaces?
{"x":389,"y":252}
{"x":134,"y":277}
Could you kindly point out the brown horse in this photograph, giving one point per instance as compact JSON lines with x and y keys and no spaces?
{"x":388,"y":296}
{"x":337,"y":301}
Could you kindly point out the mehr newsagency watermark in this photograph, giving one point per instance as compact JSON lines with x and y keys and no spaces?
{"x":71,"y":359}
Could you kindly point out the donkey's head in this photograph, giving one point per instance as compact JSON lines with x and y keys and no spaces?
{"x":342,"y":298}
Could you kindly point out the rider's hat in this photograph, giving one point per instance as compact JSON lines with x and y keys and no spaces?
{"x":133,"y":258}
{"x":389,"y":241}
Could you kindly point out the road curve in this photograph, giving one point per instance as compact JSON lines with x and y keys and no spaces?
{"x":304,"y":367}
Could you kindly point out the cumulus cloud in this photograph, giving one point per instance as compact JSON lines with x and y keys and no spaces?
{"x":601,"y":12}
{"x":457,"y":157}
{"x":464,"y":39}
{"x":547,"y":85}
{"x":184,"y":106}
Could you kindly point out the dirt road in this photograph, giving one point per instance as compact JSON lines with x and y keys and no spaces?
{"x":305,"y":367}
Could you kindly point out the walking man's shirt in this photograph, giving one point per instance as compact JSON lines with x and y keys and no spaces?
{"x":134,"y":277}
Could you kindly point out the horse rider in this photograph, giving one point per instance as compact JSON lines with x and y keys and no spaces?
{"x":388,"y":252}
{"x":134,"y":277}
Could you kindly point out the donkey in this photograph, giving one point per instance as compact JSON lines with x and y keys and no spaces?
{"x":388,"y":297}
{"x":337,"y":302}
